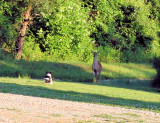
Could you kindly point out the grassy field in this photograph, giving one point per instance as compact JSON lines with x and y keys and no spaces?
{"x":123,"y":84}
{"x":74,"y":71}
{"x":125,"y":93}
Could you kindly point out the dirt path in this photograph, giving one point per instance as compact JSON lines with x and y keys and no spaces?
{"x":26,"y":109}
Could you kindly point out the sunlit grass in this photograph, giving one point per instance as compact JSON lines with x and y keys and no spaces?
{"x":128,"y":70}
{"x":130,"y":96}
{"x":75,"y":71}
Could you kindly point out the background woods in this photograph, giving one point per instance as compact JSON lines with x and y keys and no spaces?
{"x":123,"y":31}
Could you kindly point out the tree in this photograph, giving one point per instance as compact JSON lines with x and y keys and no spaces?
{"x":19,"y":43}
{"x":14,"y":14}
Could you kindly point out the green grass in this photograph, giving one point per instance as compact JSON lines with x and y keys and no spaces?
{"x":75,"y":84}
{"x":128,"y":70}
{"x":74,"y":71}
{"x":116,"y":93}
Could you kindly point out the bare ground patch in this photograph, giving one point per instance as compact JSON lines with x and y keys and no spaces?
{"x":19,"y":108}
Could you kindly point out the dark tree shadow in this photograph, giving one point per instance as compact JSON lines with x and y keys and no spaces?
{"x":37,"y":91}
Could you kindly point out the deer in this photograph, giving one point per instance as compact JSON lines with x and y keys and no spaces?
{"x":96,"y":67}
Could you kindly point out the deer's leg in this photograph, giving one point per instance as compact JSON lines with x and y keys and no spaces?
{"x":95,"y":73}
{"x":98,"y":76}
{"x":93,"y":76}
{"x":97,"y":79}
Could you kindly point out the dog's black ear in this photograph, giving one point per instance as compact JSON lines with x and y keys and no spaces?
{"x":50,"y":72}
{"x":46,"y":72}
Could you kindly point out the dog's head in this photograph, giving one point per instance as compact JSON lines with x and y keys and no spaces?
{"x":49,"y":74}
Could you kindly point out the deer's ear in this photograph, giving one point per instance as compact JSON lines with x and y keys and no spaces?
{"x":97,"y":52}
{"x":92,"y":51}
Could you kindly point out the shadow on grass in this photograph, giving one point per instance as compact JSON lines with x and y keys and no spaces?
{"x":131,"y":81}
{"x":134,"y":84}
{"x":79,"y":72}
{"x":75,"y":72}
{"x":38,"y":69}
{"x":38,"y":91}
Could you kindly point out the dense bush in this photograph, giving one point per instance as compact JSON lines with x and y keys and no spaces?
{"x":6,"y":30}
{"x":109,"y":54}
{"x":63,"y":32}
{"x":156,"y":81}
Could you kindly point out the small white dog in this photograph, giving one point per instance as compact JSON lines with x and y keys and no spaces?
{"x":48,"y":78}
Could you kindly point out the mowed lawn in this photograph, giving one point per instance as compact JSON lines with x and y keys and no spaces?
{"x":121,"y":92}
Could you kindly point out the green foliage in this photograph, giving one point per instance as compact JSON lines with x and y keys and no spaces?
{"x":6,"y":30}
{"x":4,"y":55}
{"x":70,"y":29}
{"x":126,"y":26}
{"x":32,"y":51}
{"x":109,"y":54}
{"x":137,"y":55}
{"x":64,"y":33}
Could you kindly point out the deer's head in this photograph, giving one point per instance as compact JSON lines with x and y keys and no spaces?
{"x":95,"y":53}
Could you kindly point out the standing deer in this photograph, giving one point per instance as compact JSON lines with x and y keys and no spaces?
{"x":96,"y":67}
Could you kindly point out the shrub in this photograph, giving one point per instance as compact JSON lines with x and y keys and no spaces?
{"x":4,"y":55}
{"x":137,"y":55}
{"x":31,"y":50}
{"x":156,"y":81}
{"x":109,"y":54}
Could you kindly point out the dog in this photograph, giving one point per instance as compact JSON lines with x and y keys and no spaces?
{"x":48,"y":78}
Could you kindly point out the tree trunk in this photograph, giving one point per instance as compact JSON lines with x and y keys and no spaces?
{"x":20,"y":40}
